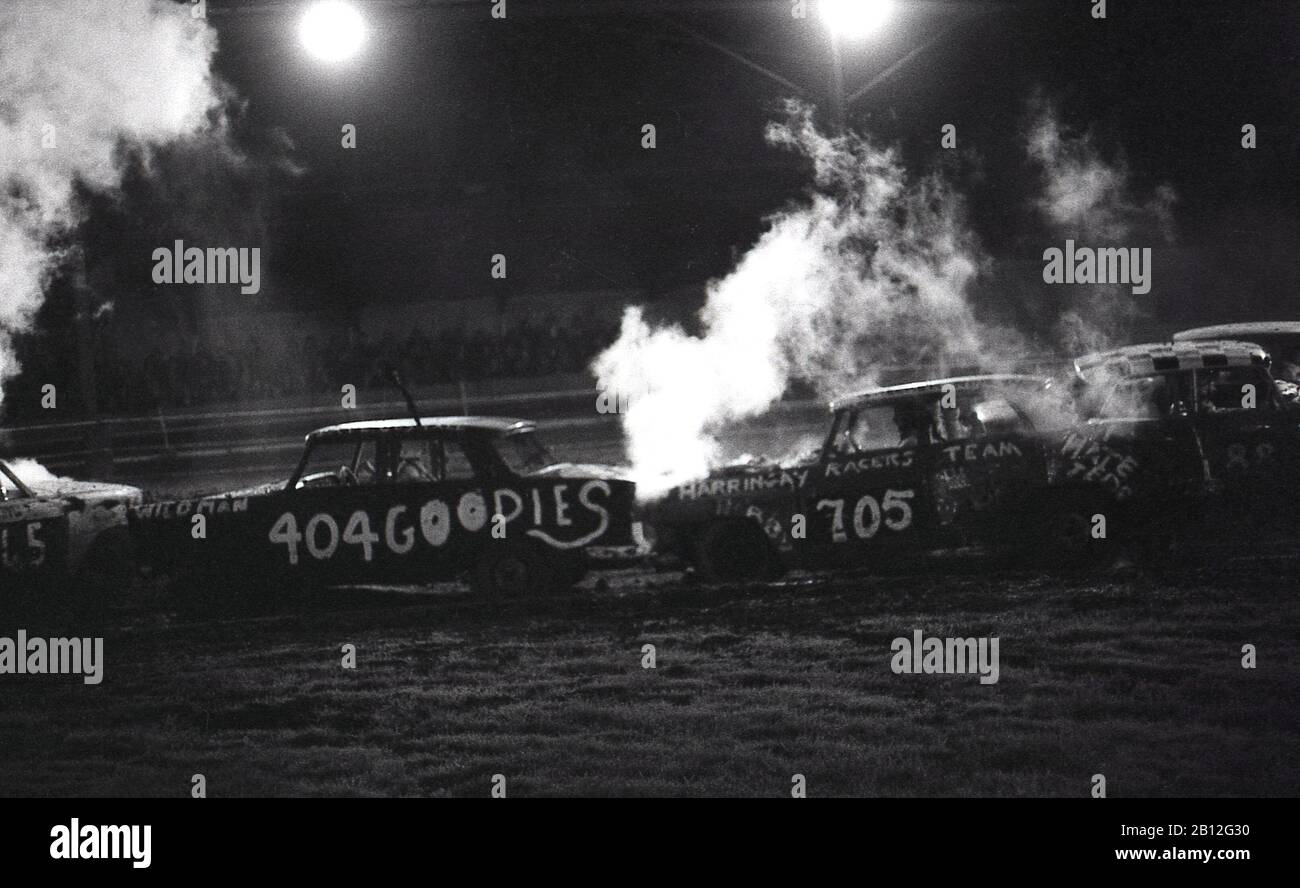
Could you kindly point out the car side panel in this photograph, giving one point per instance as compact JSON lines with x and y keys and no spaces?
{"x":33,"y":542}
{"x":411,"y":532}
{"x":869,"y":504}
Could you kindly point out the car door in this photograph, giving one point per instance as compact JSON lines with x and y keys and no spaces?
{"x":330,"y":527}
{"x":436,"y":481}
{"x":985,"y":467}
{"x":1250,"y":443}
{"x":866,"y":499}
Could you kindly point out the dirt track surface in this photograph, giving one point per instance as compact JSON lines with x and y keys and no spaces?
{"x":1127,"y":674}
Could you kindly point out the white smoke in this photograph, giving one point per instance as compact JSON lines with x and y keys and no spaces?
{"x":79,"y":81}
{"x":29,"y":471}
{"x":870,"y":269}
{"x":1091,"y":200}
{"x":1086,"y":195}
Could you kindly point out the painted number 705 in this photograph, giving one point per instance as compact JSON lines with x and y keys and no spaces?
{"x":893,"y":510}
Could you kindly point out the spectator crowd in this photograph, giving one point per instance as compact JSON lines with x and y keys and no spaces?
{"x":261,"y":364}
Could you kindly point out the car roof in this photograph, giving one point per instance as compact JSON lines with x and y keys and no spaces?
{"x":493,"y":424}
{"x":1240,"y":331}
{"x":1172,"y":357}
{"x":890,"y":393}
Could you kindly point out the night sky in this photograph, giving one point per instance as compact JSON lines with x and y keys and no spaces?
{"x":477,"y":136}
{"x":521,"y":136}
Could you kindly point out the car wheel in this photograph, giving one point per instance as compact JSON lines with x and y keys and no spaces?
{"x":568,"y":570}
{"x":106,"y":578}
{"x":735,"y":551}
{"x":508,"y":570}
{"x":207,"y":589}
{"x":1159,"y":544}
{"x":1063,"y":536}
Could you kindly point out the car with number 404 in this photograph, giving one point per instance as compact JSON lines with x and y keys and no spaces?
{"x":400,"y":501}
{"x":63,"y":543}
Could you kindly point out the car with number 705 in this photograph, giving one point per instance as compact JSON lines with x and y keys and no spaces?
{"x":904,"y":469}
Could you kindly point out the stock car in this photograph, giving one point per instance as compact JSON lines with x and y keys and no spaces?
{"x":398,"y":501}
{"x":904,"y":469}
{"x":65,"y":542}
{"x":1213,"y":408}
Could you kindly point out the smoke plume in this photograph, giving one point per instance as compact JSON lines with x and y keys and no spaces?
{"x":79,"y":82}
{"x":870,"y":269}
{"x":874,"y":267}
{"x":1091,"y":200}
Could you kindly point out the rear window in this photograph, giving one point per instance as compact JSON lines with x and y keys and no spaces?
{"x":524,"y":453}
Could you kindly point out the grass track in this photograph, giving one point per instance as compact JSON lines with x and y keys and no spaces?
{"x":1132,"y":676}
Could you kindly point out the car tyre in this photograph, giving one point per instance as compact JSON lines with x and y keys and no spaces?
{"x":106,"y":579}
{"x":1063,"y":532}
{"x":735,"y":551}
{"x":511,"y":570}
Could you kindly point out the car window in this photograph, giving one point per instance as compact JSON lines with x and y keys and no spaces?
{"x":975,"y":418}
{"x":998,"y":416}
{"x":1146,"y":397}
{"x":365,"y":463}
{"x":875,"y":427}
{"x":340,"y":460}
{"x":416,"y":461}
{"x":456,"y":464}
{"x":1226,"y":389}
{"x":523,"y":452}
{"x":430,"y":459}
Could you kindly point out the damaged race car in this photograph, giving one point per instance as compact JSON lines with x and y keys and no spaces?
{"x":64,"y":544}
{"x":398,"y":501}
{"x":931,"y":465}
{"x":1281,"y":339}
{"x":1213,"y":407}
{"x":1002,"y":463}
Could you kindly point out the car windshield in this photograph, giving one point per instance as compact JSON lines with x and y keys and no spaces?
{"x":524,"y":452}
{"x":335,"y":457}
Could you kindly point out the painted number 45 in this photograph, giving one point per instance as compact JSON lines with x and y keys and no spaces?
{"x":894,"y":510}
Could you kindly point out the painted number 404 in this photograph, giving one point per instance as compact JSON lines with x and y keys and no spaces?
{"x":893,"y":510}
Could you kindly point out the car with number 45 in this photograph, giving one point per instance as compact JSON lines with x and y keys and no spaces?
{"x":62,"y":541}
{"x":400,"y":501}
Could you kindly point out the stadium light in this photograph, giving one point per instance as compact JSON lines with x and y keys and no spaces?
{"x":855,"y":19}
{"x":332,"y":30}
